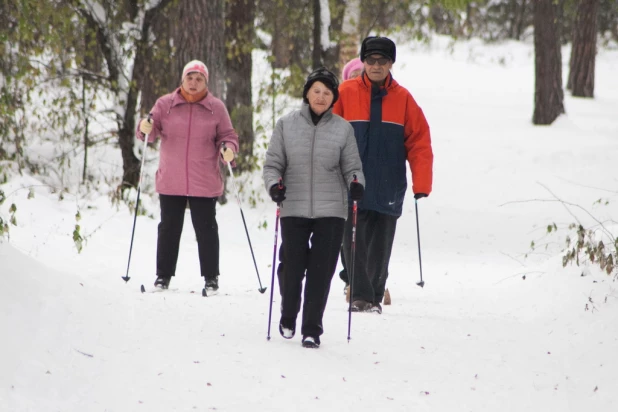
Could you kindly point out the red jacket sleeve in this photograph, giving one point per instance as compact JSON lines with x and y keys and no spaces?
{"x":338,"y":108}
{"x":418,"y":147}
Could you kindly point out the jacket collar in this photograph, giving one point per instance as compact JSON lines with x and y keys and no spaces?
{"x":177,"y":99}
{"x":389,"y":84}
{"x":305,"y":113}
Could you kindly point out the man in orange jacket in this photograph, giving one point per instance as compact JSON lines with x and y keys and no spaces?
{"x":390,"y":128}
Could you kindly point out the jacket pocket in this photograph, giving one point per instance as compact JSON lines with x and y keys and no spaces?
{"x":392,"y":187}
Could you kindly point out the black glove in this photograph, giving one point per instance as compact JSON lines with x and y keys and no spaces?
{"x":420,"y":195}
{"x":356,"y":191}
{"x":277,"y":194}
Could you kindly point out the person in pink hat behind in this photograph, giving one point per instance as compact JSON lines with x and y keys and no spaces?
{"x":352,"y":69}
{"x":196,"y":136}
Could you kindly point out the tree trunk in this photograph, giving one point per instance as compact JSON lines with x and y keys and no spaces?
{"x":331,"y":55}
{"x":350,"y":36}
{"x":126,"y":128}
{"x":548,"y":95}
{"x":519,"y":18}
{"x":583,"y":51}
{"x":240,"y":28}
{"x":161,"y":74}
{"x":291,"y":26}
{"x":316,"y":55}
{"x":215,"y":46}
{"x":126,"y":125}
{"x":608,"y":18}
{"x":281,"y":40}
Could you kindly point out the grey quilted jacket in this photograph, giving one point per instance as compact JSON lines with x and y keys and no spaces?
{"x":317,"y":164}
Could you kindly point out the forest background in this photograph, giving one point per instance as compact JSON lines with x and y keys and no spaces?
{"x":77,"y":75}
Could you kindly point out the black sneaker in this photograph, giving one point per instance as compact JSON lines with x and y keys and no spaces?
{"x":212,"y":286}
{"x":287,"y":327}
{"x":311,"y":342}
{"x":287,"y":333}
{"x":162,"y":282}
{"x":376,"y":308}
{"x":361,"y":306}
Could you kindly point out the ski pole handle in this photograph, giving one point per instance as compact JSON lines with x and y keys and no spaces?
{"x":280,"y":186}
{"x":141,"y":168}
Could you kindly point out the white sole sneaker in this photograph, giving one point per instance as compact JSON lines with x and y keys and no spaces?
{"x":286,"y":333}
{"x":310,"y":342}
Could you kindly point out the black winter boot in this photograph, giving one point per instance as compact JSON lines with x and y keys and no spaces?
{"x":287,"y":327}
{"x":312,"y":342}
{"x":212,"y":286}
{"x":162,"y":282}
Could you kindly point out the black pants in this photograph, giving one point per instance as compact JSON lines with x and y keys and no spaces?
{"x":343,"y":275}
{"x":375,"y":233}
{"x":311,"y":249}
{"x":170,"y":229}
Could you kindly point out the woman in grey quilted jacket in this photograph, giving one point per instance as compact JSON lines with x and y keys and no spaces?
{"x":314,"y":153}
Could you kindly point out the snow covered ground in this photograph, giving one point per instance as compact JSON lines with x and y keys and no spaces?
{"x":496,"y":327}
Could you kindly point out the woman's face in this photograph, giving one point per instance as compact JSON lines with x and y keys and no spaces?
{"x":320,"y":97}
{"x":354,"y":74}
{"x":194,"y":83}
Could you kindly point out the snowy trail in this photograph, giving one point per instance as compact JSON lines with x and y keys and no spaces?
{"x":177,"y":350}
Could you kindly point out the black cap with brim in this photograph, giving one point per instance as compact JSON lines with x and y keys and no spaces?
{"x":369,"y":53}
{"x":378,"y":45}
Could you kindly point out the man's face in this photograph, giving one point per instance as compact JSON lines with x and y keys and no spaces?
{"x":377,"y":67}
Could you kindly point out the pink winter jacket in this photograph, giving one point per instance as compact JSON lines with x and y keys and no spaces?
{"x":191,"y":137}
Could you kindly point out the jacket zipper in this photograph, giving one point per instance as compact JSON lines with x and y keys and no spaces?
{"x":311,"y":188}
{"x":187,"y":149}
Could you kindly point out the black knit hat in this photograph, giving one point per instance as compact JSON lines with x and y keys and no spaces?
{"x":378,"y":45}
{"x":325,"y":76}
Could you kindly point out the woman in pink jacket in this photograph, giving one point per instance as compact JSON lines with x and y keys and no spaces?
{"x":196,"y":135}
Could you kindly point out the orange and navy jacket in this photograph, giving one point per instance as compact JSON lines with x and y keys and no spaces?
{"x":390,"y":128}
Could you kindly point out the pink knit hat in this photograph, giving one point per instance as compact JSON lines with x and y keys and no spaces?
{"x":195,"y":66}
{"x":352,"y":65}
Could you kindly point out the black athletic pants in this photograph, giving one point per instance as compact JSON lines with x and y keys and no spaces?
{"x":343,"y":275}
{"x":375,"y":233}
{"x":170,"y":229}
{"x":311,"y":249}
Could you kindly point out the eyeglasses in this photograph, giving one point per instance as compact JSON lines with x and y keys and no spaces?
{"x":382,"y":61}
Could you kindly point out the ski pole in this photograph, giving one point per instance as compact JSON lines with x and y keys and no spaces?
{"x":272,"y":280}
{"x":418,"y":238}
{"x":229,"y":166}
{"x":139,"y":187}
{"x":352,"y":254}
